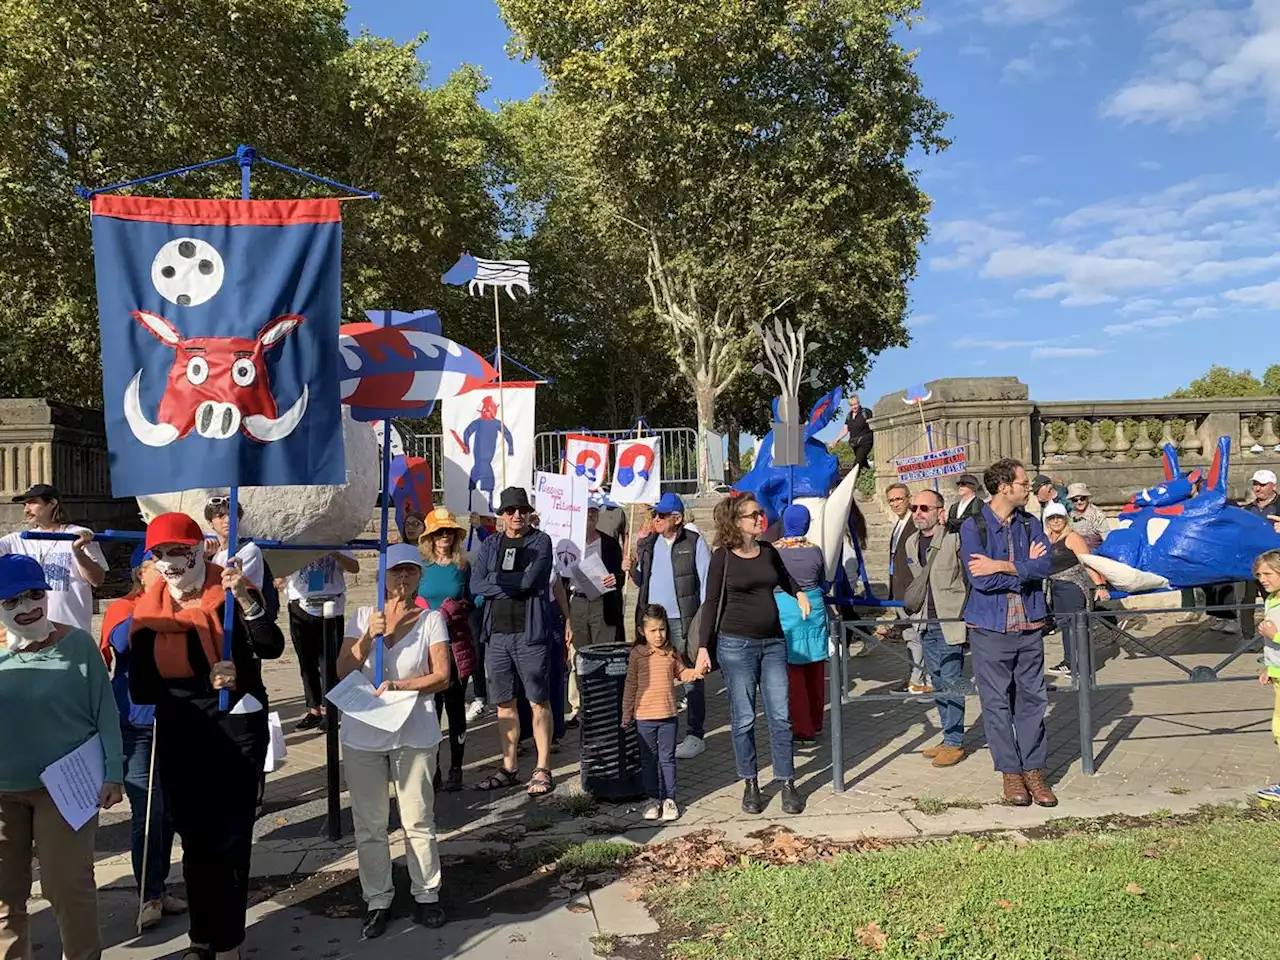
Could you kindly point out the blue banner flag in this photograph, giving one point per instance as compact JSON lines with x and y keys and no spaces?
{"x":219,"y":328}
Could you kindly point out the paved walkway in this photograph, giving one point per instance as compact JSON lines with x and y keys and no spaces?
{"x":1156,"y":746}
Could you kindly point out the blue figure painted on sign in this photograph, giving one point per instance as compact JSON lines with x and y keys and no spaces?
{"x":480,"y":440}
{"x":1191,"y":539}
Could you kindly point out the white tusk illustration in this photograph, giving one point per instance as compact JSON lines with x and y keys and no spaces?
{"x":265,"y":430}
{"x":152,"y":434}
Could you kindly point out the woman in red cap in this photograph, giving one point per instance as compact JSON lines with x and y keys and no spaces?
{"x":210,"y":760}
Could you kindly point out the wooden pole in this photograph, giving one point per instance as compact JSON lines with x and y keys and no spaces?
{"x":502,"y":405}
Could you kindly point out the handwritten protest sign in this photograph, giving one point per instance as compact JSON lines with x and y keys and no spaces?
{"x":561,"y":501}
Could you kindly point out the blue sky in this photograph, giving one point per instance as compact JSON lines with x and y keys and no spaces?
{"x":1105,"y":225}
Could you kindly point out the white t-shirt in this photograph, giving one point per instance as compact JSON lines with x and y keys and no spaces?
{"x":70,"y":596}
{"x":407,"y":659}
{"x":323,"y":578}
{"x":250,"y":558}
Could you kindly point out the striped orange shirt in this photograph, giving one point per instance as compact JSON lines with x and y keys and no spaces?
{"x":650,"y":692}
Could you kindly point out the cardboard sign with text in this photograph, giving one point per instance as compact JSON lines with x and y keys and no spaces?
{"x":561,"y":502}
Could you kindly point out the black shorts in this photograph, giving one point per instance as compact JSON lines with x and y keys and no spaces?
{"x":511,"y":655}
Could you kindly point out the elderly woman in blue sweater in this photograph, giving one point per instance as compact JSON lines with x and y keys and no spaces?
{"x":54,"y":689}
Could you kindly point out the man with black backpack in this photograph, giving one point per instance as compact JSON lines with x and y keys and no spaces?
{"x":1006,"y":558}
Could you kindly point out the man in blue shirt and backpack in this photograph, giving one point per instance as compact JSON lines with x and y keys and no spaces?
{"x":1006,"y":559}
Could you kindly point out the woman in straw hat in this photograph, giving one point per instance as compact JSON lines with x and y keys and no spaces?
{"x":445,"y":586}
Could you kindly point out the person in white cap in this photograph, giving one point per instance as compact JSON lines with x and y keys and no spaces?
{"x":1265,"y":505}
{"x":1087,"y":519}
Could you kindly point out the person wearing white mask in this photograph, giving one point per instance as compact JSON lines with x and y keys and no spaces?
{"x":415,"y":659}
{"x":54,"y":696}
{"x":210,"y":760}
{"x":72,"y":568}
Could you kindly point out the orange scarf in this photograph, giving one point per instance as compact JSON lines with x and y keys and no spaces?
{"x":156,"y":610}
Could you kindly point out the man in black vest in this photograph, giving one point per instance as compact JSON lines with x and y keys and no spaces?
{"x":859,"y":433}
{"x":671,"y":569}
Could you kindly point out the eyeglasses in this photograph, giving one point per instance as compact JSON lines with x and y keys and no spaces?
{"x":656,"y":515}
{"x":897,"y":499}
{"x":1079,"y":499}
{"x":512,"y":511}
{"x":218,"y":501}
{"x":753,"y":516}
{"x":922,"y":508}
{"x":35,"y":596}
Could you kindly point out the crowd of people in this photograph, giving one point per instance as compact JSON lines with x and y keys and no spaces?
{"x":482,"y":605}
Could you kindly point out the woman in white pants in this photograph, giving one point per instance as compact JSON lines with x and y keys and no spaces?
{"x":415,"y":658}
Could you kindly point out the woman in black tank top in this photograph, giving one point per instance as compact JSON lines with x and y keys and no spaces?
{"x":1073,"y":587}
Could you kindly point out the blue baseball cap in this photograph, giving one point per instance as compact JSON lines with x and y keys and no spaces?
{"x":18,"y":574}
{"x":139,"y":556}
{"x":598,"y":501}
{"x":669,"y":503}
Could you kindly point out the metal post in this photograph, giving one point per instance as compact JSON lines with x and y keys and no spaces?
{"x":835,"y":691}
{"x":842,"y":660}
{"x":1081,"y":636}
{"x":332,"y":639}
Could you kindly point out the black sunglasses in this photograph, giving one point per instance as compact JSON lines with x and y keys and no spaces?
{"x":753,"y":515}
{"x":512,"y":511}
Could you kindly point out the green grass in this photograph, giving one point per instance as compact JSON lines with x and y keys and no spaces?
{"x":580,"y":805}
{"x":1172,"y":892}
{"x":935,"y":806}
{"x":596,"y":855}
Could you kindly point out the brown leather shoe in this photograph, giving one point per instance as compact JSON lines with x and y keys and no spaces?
{"x":930,"y":752}
{"x":1040,"y":792}
{"x":1015,"y":791}
{"x":948,"y":756}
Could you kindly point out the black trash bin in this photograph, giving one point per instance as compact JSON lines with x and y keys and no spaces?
{"x":610,"y":754}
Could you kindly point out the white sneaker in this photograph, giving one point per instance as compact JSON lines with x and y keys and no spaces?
{"x":690,"y":747}
{"x":670,"y":811}
{"x":151,"y":914}
{"x":1228,"y":626}
{"x":474,"y":710}
{"x":652,"y":810}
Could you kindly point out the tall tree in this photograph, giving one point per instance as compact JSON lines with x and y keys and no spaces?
{"x":1225,"y":382}
{"x":100,"y":91}
{"x":754,"y":154}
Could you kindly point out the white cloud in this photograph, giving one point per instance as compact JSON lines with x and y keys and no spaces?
{"x":1263,"y":295}
{"x":1204,"y":61}
{"x":972,"y":343}
{"x":1145,"y":305}
{"x":973,"y":240}
{"x":1028,"y":159}
{"x":1152,"y":165}
{"x":1065,"y":353}
{"x":1020,"y":12}
{"x":1146,"y":323}
{"x":919,"y":320}
{"x":1020,"y":67}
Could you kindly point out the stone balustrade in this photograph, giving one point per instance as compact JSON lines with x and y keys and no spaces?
{"x":1114,"y":446}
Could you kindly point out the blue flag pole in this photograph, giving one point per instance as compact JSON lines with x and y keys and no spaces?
{"x":382,"y":545}
{"x":245,"y":157}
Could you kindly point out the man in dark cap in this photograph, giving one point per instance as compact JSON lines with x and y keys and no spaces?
{"x":512,"y":571}
{"x":968,"y":502}
{"x":1044,"y":492}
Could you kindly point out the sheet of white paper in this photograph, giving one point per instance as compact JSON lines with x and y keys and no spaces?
{"x":356,"y":697}
{"x":589,"y":576}
{"x":75,"y":782}
{"x":247,"y":704}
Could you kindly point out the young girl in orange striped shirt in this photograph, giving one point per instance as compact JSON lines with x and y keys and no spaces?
{"x":649,"y":701}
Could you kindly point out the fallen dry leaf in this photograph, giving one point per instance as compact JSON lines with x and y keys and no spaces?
{"x":927,"y":936}
{"x":1151,"y":853}
{"x":578,"y":908}
{"x":1004,"y":904}
{"x":872,"y":937}
{"x":1134,"y":889}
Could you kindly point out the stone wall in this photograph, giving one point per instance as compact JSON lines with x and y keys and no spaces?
{"x":1114,"y":446}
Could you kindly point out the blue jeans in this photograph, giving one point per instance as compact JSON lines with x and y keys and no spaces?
{"x":658,"y":757}
{"x":746,"y":664}
{"x":945,"y":664}
{"x":137,"y":764}
{"x":695,"y":693}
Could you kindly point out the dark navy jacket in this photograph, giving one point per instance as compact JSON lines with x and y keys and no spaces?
{"x":532,"y":584}
{"x":987,"y":606}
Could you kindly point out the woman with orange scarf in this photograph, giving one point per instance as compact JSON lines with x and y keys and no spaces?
{"x":210,"y":760}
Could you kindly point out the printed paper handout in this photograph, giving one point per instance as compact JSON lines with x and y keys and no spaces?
{"x":75,"y":782}
{"x":356,"y":697}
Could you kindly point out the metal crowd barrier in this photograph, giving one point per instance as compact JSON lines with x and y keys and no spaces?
{"x":1087,"y":632}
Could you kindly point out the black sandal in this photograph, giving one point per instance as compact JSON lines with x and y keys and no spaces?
{"x":541,"y":784}
{"x":501,"y":779}
{"x":454,"y":783}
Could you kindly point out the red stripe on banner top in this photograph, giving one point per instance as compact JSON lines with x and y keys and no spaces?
{"x":217,"y":213}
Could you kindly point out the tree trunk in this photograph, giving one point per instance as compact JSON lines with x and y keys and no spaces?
{"x":705,"y":394}
{"x":733,"y":459}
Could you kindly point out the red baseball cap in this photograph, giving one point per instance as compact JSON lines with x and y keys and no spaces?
{"x":173,"y":528}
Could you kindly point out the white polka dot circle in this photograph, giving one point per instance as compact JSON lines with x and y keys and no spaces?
{"x":187,"y":271}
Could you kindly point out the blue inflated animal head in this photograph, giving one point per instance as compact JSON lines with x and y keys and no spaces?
{"x":1190,"y":539}
{"x":775,"y":488}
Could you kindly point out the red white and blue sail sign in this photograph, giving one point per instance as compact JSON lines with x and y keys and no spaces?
{"x":219,"y":329}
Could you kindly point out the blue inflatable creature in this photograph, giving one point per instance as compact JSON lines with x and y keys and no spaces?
{"x":775,"y":488}
{"x":1191,"y":539}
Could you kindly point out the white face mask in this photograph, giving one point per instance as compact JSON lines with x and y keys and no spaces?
{"x":183,"y":572}
{"x":22,"y":636}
